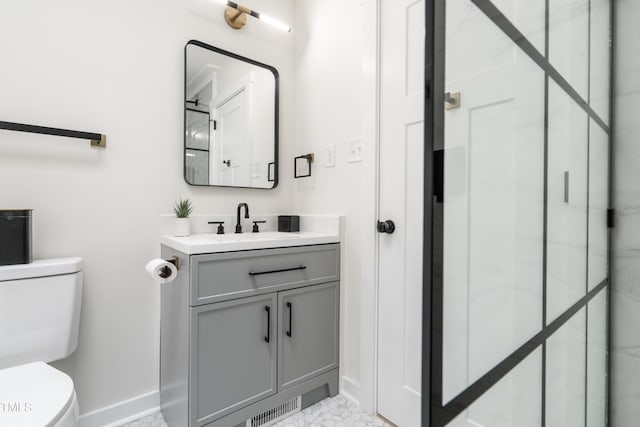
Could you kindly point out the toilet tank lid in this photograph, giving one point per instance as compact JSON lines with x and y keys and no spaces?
{"x":41,"y":268}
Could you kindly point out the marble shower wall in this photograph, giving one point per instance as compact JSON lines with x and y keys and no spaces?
{"x":625,"y":295}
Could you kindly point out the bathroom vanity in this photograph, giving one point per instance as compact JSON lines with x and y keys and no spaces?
{"x":249,"y":327}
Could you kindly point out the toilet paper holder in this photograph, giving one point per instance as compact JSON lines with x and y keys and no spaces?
{"x":166,"y":272}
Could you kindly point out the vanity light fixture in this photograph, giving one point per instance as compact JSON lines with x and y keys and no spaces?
{"x":236,"y":16}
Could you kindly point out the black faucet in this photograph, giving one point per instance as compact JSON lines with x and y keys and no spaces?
{"x":246,"y":215}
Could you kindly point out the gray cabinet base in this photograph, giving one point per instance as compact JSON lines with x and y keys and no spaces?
{"x":174,"y":401}
{"x":312,"y":391}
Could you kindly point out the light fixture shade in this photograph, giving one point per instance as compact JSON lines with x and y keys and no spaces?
{"x":274,"y":22}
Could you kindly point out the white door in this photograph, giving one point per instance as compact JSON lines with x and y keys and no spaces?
{"x":401,"y":201}
{"x":233,"y":141}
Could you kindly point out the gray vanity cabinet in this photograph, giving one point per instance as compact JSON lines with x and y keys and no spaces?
{"x":249,"y":334}
{"x":308,"y":333}
{"x":233,"y":358}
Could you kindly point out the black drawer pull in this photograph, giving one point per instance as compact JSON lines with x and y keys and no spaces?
{"x":268,"y":310}
{"x":290,"y":307}
{"x":257,"y":273}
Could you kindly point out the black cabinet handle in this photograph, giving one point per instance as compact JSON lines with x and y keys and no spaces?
{"x":290,"y":307}
{"x":257,"y":273}
{"x":268,"y":310}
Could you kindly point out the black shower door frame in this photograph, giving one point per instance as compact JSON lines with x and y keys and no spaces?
{"x":434,"y":413}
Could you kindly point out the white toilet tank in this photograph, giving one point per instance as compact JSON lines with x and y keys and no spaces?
{"x":39,"y":310}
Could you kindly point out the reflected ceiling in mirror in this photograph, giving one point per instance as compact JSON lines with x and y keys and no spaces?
{"x":230,"y":119}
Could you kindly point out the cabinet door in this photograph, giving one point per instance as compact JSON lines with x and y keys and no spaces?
{"x":308,"y":333}
{"x":233,"y":356}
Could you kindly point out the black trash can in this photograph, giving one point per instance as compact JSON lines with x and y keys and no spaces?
{"x":288,"y":223}
{"x":15,"y":236}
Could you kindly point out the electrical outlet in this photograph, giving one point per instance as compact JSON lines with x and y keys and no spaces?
{"x":330,"y":156}
{"x":355,"y":150}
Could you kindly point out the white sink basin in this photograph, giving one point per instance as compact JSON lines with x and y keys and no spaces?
{"x":211,"y":242}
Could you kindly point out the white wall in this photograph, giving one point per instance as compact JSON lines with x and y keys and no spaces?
{"x":328,"y":65}
{"x":116,"y":67}
{"x":625,"y":295}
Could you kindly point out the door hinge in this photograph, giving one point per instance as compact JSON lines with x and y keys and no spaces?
{"x":611,"y":218}
{"x":215,"y":125}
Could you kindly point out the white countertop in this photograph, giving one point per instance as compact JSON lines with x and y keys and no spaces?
{"x":210,"y":242}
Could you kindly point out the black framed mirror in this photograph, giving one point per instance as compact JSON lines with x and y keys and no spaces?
{"x":230,"y":119}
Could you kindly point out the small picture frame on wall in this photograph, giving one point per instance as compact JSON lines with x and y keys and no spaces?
{"x":302,"y":166}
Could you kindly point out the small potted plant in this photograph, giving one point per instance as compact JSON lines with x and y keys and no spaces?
{"x":182,"y":209}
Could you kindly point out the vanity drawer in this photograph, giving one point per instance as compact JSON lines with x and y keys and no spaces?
{"x":223,"y":276}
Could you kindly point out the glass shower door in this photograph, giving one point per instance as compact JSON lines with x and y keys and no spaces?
{"x":520,"y":299}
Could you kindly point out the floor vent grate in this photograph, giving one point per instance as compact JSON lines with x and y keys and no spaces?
{"x":280,"y":412}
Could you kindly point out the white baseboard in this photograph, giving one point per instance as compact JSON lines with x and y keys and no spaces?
{"x":122,"y":412}
{"x":350,"y":389}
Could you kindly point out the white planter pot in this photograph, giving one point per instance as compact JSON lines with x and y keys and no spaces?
{"x":182,"y":227}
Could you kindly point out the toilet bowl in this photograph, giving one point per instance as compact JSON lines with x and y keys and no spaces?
{"x":39,"y":317}
{"x":35,"y":394}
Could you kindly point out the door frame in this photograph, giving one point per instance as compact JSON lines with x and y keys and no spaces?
{"x":365,"y":391}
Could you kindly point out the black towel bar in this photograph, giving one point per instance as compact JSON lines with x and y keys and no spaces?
{"x":97,"y":140}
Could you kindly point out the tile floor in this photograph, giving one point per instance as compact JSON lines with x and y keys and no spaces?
{"x":334,"y":412}
{"x":153,"y":420}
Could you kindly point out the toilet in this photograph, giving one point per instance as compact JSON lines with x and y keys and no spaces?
{"x":39,"y":317}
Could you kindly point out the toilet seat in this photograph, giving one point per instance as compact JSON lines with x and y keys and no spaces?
{"x":34,"y":394}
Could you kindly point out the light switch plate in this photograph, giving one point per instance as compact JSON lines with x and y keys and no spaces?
{"x":355,"y":150}
{"x":330,"y":156}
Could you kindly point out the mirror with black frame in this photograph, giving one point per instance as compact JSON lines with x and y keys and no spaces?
{"x":230,"y":119}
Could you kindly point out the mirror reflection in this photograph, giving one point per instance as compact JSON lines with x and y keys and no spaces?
{"x":231,"y":121}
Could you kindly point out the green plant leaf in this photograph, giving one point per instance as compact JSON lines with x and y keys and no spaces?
{"x":183,"y":208}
